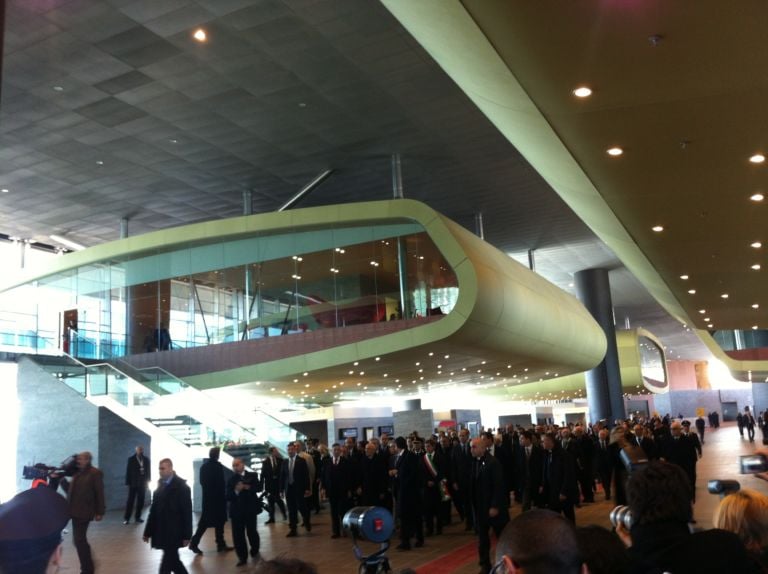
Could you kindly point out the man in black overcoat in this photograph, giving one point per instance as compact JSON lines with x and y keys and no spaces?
{"x":244,"y":506}
{"x":270,"y":483}
{"x":409,"y":475}
{"x":461,"y":472}
{"x":295,"y":483}
{"x":528,"y":467}
{"x":214,"y":513}
{"x":169,"y":524}
{"x":559,"y":489}
{"x":490,"y":500}
{"x":137,"y":475}
{"x":335,"y":481}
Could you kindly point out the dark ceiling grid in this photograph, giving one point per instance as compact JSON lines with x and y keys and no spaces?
{"x":183,"y":129}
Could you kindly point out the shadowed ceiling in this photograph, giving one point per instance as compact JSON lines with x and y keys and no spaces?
{"x":110,"y":110}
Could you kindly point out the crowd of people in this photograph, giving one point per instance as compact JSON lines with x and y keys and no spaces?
{"x":549,"y":470}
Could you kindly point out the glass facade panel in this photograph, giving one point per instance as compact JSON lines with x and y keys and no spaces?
{"x":262,"y":286}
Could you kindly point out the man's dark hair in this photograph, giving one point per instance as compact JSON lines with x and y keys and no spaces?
{"x":541,"y":542}
{"x":602,"y":550}
{"x":213,"y":454}
{"x":660,"y":492}
{"x":528,"y":435}
{"x":401,"y":443}
{"x":334,"y":445}
{"x":283,"y":565}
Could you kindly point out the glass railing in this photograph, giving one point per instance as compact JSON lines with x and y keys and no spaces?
{"x":163,"y":398}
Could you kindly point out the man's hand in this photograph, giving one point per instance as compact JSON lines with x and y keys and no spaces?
{"x":623,"y":534}
{"x":145,"y":538}
{"x":541,"y":490}
{"x":98,"y":517}
{"x":563,"y":498}
{"x":184,"y":543}
{"x":239,"y":486}
{"x":307,"y":493}
{"x":455,"y":486}
{"x":430,"y":484}
{"x":493,"y":512}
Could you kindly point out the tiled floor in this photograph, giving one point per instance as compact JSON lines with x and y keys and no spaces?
{"x":118,"y":549}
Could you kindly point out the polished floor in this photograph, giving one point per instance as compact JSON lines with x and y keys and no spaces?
{"x":118,"y":549}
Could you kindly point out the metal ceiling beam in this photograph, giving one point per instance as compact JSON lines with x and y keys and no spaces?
{"x":307,"y":189}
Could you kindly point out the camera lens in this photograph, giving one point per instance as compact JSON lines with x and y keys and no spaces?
{"x":621,"y":515}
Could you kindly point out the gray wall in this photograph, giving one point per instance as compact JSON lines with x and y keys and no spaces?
{"x":117,"y":441}
{"x":360,"y":424}
{"x":521,"y":420}
{"x":464,"y":416}
{"x":406,"y":422}
{"x":760,"y":396}
{"x":55,"y":422}
{"x":686,"y":402}
{"x":313,"y":429}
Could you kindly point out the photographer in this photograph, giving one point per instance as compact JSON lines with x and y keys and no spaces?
{"x":244,"y":506}
{"x":660,"y":538}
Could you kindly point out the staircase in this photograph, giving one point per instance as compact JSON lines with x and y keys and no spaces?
{"x":174,"y":414}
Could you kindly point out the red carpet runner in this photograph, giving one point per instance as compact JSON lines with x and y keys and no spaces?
{"x":451,"y":561}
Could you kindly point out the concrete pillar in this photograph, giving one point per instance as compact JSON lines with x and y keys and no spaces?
{"x":604,"y":392}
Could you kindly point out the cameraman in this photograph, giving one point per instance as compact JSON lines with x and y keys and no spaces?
{"x":660,"y":538}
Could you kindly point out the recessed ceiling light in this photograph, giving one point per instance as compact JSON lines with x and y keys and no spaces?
{"x":724,"y":295}
{"x":756,"y":245}
{"x":756,"y":305}
{"x":302,"y":104}
{"x":710,"y":325}
{"x":657,"y":228}
{"x":614,"y":151}
{"x":757,"y":197}
{"x":756,"y":267}
{"x":200,"y":35}
{"x":754,"y":327}
{"x":757,"y":158}
{"x":684,"y":277}
{"x":692,"y":291}
{"x":702,"y":311}
{"x":582,"y":92}
{"x":4,"y":190}
{"x":58,"y":88}
{"x":706,"y":319}
{"x":99,"y":162}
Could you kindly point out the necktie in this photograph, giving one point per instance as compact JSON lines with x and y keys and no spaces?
{"x":290,"y":470}
{"x":527,"y":452}
{"x":335,"y":461}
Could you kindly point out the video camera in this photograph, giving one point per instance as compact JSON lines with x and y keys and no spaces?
{"x":723,"y":487}
{"x":633,"y":457}
{"x":68,"y":467}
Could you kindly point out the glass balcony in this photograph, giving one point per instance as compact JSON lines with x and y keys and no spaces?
{"x":254,"y":288}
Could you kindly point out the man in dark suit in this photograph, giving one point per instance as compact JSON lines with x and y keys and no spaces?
{"x":270,"y":483}
{"x":244,"y":506}
{"x":461,"y":472}
{"x":372,"y":489}
{"x":528,"y":466}
{"x":169,"y":524}
{"x":559,"y":490}
{"x":604,"y":461}
{"x":409,"y":504}
{"x":85,"y":495}
{"x":749,"y":424}
{"x":679,"y":450}
{"x":295,"y":483}
{"x":432,"y":469}
{"x":490,"y":500}
{"x":644,"y":441}
{"x":214,"y":513}
{"x":137,"y":475}
{"x":334,"y":479}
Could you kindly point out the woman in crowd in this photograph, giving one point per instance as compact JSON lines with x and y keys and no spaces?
{"x":746,"y":514}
